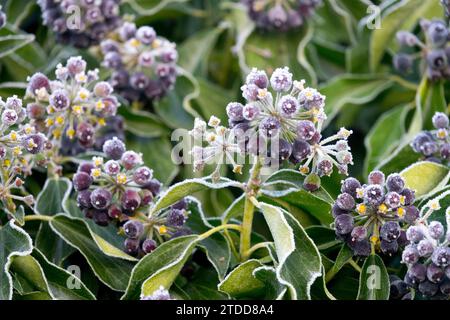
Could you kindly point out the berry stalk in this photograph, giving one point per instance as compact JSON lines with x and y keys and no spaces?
{"x":249,"y":209}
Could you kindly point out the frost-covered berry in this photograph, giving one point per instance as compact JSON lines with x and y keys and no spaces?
{"x":373,"y":195}
{"x":311,"y":182}
{"x":411,"y":214}
{"x":84,"y":199}
{"x":176,"y":218}
{"x":390,"y":231}
{"x":131,"y":200}
{"x":436,"y":230}
{"x":425,"y":248}
{"x":149,"y":245}
{"x":130,"y":159}
{"x":133,"y":229}
{"x":146,"y":34}
{"x":350,"y":185}
{"x":111,"y":167}
{"x":100,"y":198}
{"x":417,"y":273}
{"x":435,"y":274}
{"x":361,"y":248}
{"x":34,"y":143}
{"x":343,"y":224}
{"x":438,"y":33}
{"x":250,"y":112}
{"x":59,"y":100}
{"x":440,"y":120}
{"x":388,"y":247}
{"x":428,"y":288}
{"x":258,"y":78}
{"x":235,"y":111}
{"x":284,"y":149}
{"x":335,"y":210}
{"x":85,"y":134}
{"x":82,"y":181}
{"x":281,"y":79}
{"x":376,"y":177}
{"x":306,"y":130}
{"x":414,"y":234}
{"x":103,"y":89}
{"x":9,"y":117}
{"x":392,"y":199}
{"x":395,"y":182}
{"x":270,"y":126}
{"x":345,"y":201}
{"x":154,"y":186}
{"x":441,"y":256}
{"x":114,"y":212}
{"x":406,"y":38}
{"x":114,"y":148}
{"x":289,"y":107}
{"x":86,"y":167}
{"x":410,"y":255}
{"x":359,"y":233}
{"x":142,"y":175}
{"x":437,"y":59}
{"x":398,"y":289}
{"x":37,"y":82}
{"x":403,"y":63}
{"x":408,"y":196}
{"x":131,"y":246}
{"x":2,"y":19}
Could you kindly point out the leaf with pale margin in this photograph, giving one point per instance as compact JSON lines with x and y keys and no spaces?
{"x":299,"y":259}
{"x":14,"y":242}
{"x":373,"y":280}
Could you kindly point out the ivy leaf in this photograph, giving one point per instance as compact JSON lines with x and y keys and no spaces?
{"x":402,"y":16}
{"x":11,"y":41}
{"x":160,"y":267}
{"x":151,"y":7}
{"x":188,"y":187}
{"x":18,"y":215}
{"x":29,"y":273}
{"x":112,"y":271}
{"x":400,"y":158}
{"x":216,"y":247}
{"x":352,"y":89}
{"x":15,"y":242}
{"x":241,"y":282}
{"x":59,"y":279}
{"x":425,"y":177}
{"x":374,"y":280}
{"x":50,"y":202}
{"x":299,"y":259}
{"x":142,"y":123}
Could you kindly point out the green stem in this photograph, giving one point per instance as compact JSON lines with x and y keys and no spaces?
{"x":219,"y":228}
{"x":256,"y":247}
{"x":249,"y":209}
{"x":37,"y":217}
{"x":355,"y":265}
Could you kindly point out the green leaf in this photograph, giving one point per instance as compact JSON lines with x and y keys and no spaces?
{"x":402,"y":157}
{"x":50,"y":201}
{"x":344,"y":255}
{"x":112,"y":271}
{"x":160,"y":161}
{"x":54,"y":193}
{"x":16,"y":11}
{"x":216,"y":247}
{"x":18,"y":215}
{"x":59,"y":279}
{"x":374,"y":280}
{"x":151,"y":7}
{"x":142,"y":123}
{"x":273,"y":288}
{"x":11,"y":40}
{"x":14,"y":242}
{"x":425,"y":177}
{"x":197,"y":48}
{"x":29,"y":273}
{"x":189,"y":187}
{"x":160,"y":267}
{"x":384,"y":136}
{"x":299,"y":259}
{"x":241,"y":282}
{"x":352,"y":89}
{"x":402,"y":16}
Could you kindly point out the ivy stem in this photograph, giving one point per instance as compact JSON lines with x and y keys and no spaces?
{"x":256,"y":247}
{"x":219,"y":228}
{"x":38,"y":217}
{"x":354,"y":265}
{"x":249,"y":209}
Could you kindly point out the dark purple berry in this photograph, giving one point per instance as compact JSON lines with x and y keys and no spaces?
{"x":84,"y":199}
{"x":336,"y":211}
{"x":133,"y":229}
{"x":374,"y":195}
{"x":440,"y":120}
{"x":148,"y":245}
{"x":154,"y":186}
{"x":59,"y":100}
{"x":359,"y":233}
{"x":403,"y":63}
{"x":270,"y":126}
{"x":234,"y":111}
{"x":361,"y":248}
{"x":300,"y":150}
{"x":436,"y":230}
{"x":101,"y":198}
{"x":441,"y":256}
{"x":398,"y":289}
{"x":395,"y":183}
{"x":417,"y":273}
{"x":305,"y":130}
{"x":131,"y":246}
{"x":176,"y":218}
{"x":428,"y":289}
{"x":410,"y":255}
{"x":34,"y":143}
{"x":390,"y":231}
{"x":85,"y":134}
{"x":86,"y":167}
{"x":343,"y":224}
{"x":345,"y":201}
{"x":411,"y":214}
{"x":38,"y":81}
{"x":101,"y":217}
{"x":131,"y":200}
{"x":142,"y":175}
{"x":435,"y":274}
{"x":350,"y":185}
{"x":82,"y":181}
{"x":114,"y":212}
{"x":389,"y":247}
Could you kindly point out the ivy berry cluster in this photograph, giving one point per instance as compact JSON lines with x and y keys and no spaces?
{"x":121,"y":189}
{"x":434,"y":145}
{"x":280,"y":15}
{"x":283,"y":113}
{"x":428,"y":258}
{"x":370,"y":216}
{"x":74,"y":105}
{"x":434,"y":50}
{"x":143,"y":64}
{"x":81,"y":23}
